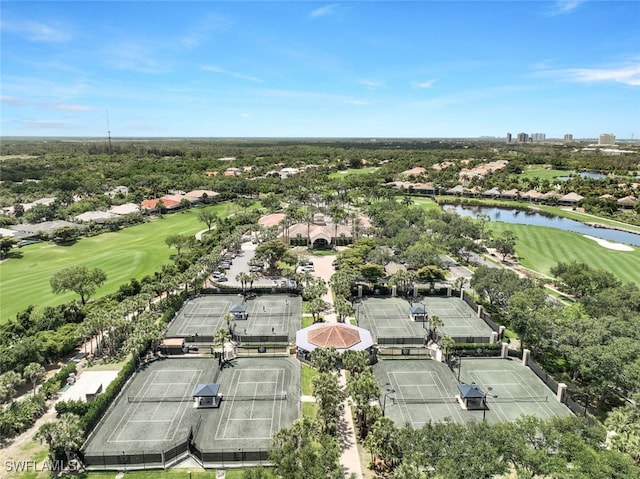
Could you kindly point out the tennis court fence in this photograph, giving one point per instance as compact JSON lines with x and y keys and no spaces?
{"x":241,"y":338}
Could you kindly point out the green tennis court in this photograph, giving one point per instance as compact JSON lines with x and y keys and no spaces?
{"x":157,"y":409}
{"x":265,"y":315}
{"x":391,"y":317}
{"x":423,"y":391}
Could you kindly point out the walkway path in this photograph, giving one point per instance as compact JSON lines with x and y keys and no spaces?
{"x":349,"y":457}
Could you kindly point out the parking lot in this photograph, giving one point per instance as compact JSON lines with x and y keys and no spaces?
{"x":240,"y":264}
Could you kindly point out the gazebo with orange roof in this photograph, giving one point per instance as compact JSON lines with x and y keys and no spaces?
{"x":332,"y":335}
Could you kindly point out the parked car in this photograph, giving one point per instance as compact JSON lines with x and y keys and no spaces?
{"x":221,"y":279}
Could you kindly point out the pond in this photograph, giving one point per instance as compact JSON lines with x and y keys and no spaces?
{"x":585,"y":174}
{"x":528,"y":217}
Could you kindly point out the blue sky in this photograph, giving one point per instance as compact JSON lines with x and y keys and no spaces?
{"x":320,"y":69}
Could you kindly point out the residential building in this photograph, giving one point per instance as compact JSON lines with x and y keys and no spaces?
{"x":607,"y":139}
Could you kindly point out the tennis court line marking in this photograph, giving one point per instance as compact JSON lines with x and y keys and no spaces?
{"x":183,"y":328}
{"x":149,"y":420}
{"x":226,"y":414}
{"x":130,"y":412}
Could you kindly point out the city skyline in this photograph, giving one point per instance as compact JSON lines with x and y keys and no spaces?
{"x":320,"y":69}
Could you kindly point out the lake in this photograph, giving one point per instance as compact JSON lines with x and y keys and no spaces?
{"x":528,"y":217}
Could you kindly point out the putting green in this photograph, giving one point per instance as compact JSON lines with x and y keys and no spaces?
{"x":130,"y":253}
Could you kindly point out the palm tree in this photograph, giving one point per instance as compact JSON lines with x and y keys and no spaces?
{"x":243,"y":278}
{"x":34,"y":372}
{"x":434,"y":322}
{"x":220,"y":338}
{"x":64,"y":435}
{"x":228,"y":318}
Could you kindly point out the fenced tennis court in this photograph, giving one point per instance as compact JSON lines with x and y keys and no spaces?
{"x":404,"y":383}
{"x":266,"y":315}
{"x":418,"y":391}
{"x":390,"y":321}
{"x":513,"y":389}
{"x":155,"y":420}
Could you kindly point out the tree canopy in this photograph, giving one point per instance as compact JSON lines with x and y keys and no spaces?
{"x":79,"y":279}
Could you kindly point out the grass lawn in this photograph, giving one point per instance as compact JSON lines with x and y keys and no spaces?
{"x":130,"y":253}
{"x":541,"y":248}
{"x":153,"y":474}
{"x":237,"y":473}
{"x":354,"y":171}
{"x":425,"y":203}
{"x":308,"y":373}
{"x":309,"y":409}
{"x":539,"y":171}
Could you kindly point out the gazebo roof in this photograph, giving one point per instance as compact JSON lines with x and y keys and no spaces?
{"x":206,"y":390}
{"x":333,"y":335}
{"x":471,"y":391}
{"x":337,"y":335}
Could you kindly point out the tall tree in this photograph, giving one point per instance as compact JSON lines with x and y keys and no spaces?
{"x":34,"y":373}
{"x":79,"y":279}
{"x":208,"y":216}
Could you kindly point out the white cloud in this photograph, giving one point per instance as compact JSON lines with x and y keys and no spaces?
{"x":627,"y":74}
{"x":564,"y":6}
{"x":424,"y":84}
{"x":330,"y":9}
{"x":67,"y":107}
{"x":357,"y":102}
{"x":240,"y":76}
{"x":371,"y":84}
{"x":35,"y":31}
{"x":201,"y":32}
{"x":12,"y":100}
{"x":136,"y":56}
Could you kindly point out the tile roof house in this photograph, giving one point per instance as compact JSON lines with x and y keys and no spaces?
{"x":570,"y":199}
{"x":153,"y":203}
{"x":627,"y":202}
{"x":415,"y":171}
{"x":198,"y":196}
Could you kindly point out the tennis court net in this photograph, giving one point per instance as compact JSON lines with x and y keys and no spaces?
{"x":159,"y":399}
{"x":225,"y":397}
{"x":422,"y":400}
{"x":507,"y":399}
{"x":259,"y":397}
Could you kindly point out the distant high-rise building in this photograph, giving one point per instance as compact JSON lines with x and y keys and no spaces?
{"x":523,"y":137}
{"x":568,"y":138}
{"x":508,"y":137}
{"x":538,"y":136}
{"x":607,"y":139}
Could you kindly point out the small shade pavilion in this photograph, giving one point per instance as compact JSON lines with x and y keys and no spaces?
{"x":332,"y":335}
{"x":471,"y":396}
{"x":207,"y":396}
{"x":239,"y":311}
{"x":419,"y":313}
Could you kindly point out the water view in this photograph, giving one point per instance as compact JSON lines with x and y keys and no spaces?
{"x":585,"y":174}
{"x":528,"y":217}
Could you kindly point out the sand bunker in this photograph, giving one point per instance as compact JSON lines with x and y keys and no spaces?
{"x":610,"y":245}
